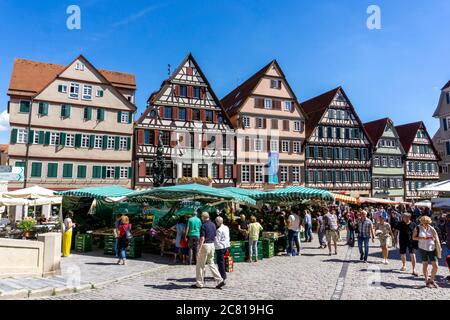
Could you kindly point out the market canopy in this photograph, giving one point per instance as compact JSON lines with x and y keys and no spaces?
{"x":295,"y":193}
{"x":424,"y":204}
{"x":441,"y":186}
{"x":244,"y":192}
{"x":32,"y":196}
{"x":378,"y":201}
{"x":99,"y":193}
{"x":188,"y":192}
{"x":343,"y":198}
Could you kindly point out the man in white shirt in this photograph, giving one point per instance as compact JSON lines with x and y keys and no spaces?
{"x":221,"y":244}
{"x":293,"y":224}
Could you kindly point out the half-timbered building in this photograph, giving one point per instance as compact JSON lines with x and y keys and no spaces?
{"x":387,"y":160}
{"x":197,"y":136}
{"x":421,"y":163}
{"x":338,"y":150}
{"x":71,"y":125}
{"x":269,"y":130}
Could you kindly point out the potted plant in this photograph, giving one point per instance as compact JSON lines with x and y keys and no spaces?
{"x":26,"y":226}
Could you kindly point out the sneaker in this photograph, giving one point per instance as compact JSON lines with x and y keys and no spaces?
{"x":194,"y":286}
{"x":220,"y":285}
{"x":386,"y":262}
{"x":361,"y":258}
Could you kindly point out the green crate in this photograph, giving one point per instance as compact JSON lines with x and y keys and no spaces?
{"x":83,"y":243}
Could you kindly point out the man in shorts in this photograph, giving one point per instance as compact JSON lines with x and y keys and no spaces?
{"x":405,"y":229}
{"x":331,"y":229}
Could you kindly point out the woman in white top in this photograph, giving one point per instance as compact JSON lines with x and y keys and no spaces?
{"x":221,"y":244}
{"x":428,"y":241}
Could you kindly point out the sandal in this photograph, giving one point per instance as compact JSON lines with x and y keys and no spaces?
{"x":428,"y":284}
{"x":434,"y":284}
{"x":403,"y":269}
{"x":415,"y":274}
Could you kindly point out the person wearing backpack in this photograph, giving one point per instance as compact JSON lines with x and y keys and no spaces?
{"x":125,"y":238}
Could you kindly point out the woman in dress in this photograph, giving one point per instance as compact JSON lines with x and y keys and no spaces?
{"x":384,"y":231}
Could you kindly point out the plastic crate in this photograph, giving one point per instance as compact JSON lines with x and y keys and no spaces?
{"x":83,"y":242}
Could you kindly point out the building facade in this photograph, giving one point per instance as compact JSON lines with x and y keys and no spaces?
{"x":270,"y":130}
{"x":197,"y":135}
{"x":421,"y":161}
{"x":387,"y":160}
{"x":71,"y":125}
{"x":338,"y":150}
{"x":441,"y":139}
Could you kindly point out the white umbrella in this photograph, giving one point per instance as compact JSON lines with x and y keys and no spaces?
{"x":442,"y":186}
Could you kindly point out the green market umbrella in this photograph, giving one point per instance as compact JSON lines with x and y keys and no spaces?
{"x":252,"y":193}
{"x":98,"y":193}
{"x":295,"y":193}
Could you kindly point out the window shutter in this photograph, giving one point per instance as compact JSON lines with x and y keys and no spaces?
{"x":100,"y":114}
{"x":47,"y":138}
{"x":215,"y":117}
{"x":265,"y":123}
{"x":142,"y":169}
{"x":274,"y":123}
{"x":91,"y":141}
{"x":276,"y":104}
{"x":445,"y":122}
{"x":161,"y":112}
{"x":117,"y":173}
{"x":119,"y":116}
{"x":156,"y":136}
{"x":235,"y":170}
{"x":130,"y":172}
{"x":177,"y":90}
{"x":87,"y":113}
{"x":62,"y":139}
{"x":116,"y":143}
{"x":103,"y":172}
{"x":259,"y":103}
{"x":247,"y":144}
{"x":291,"y":147}
{"x":307,"y":152}
{"x":41,"y":137}
{"x":202,"y":115}
{"x":77,"y":140}
{"x":30,"y":136}
{"x":105,"y":143}
{"x":140,"y":137}
{"x":202,"y":93}
{"x":130,"y":117}
{"x":128,"y":143}
{"x":174,"y":113}
{"x":189,"y":71}
{"x":43,"y":108}
{"x":448,"y":147}
{"x":316,"y":152}
{"x":286,"y":125}
{"x":221,"y":172}
{"x":189,"y":91}
{"x":188,"y":114}
{"x":448,"y":97}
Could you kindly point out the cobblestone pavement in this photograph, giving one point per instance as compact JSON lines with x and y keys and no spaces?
{"x":312,"y":276}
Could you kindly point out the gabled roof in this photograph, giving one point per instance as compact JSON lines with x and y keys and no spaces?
{"x":234,"y":101}
{"x":157,"y":94}
{"x":408,"y":132}
{"x":446,"y":86}
{"x":375,"y":129}
{"x":31,"y":77}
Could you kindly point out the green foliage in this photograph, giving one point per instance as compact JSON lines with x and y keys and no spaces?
{"x":26,"y":224}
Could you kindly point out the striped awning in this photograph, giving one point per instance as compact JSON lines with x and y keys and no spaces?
{"x":295,"y":193}
{"x":343,"y":198}
{"x":98,"y":192}
{"x":245,"y":192}
{"x":194,"y":191}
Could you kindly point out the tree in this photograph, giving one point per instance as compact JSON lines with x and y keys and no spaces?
{"x":159,"y":165}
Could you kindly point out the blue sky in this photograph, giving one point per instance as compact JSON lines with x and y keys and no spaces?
{"x":396,"y":71}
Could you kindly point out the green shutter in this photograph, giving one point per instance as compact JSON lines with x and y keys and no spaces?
{"x":325,"y":176}
{"x":130,"y":172}
{"x":96,"y":172}
{"x":87,"y":113}
{"x":91,"y":141}
{"x":41,"y":137}
{"x":307,"y":176}
{"x":13,"y":136}
{"x":77,"y":140}
{"x":116,"y":172}
{"x":47,"y":138}
{"x":62,"y":138}
{"x":65,"y":111}
{"x":130,"y":119}
{"x":36,"y":170}
{"x":43,"y":108}
{"x":316,"y":176}
{"x":307,"y":152}
{"x":60,"y":88}
{"x":116,"y":143}
{"x":105,"y":142}
{"x":334,"y":176}
{"x":316,"y":152}
{"x":25,"y":106}
{"x":128,"y":143}
{"x":100,"y":114}
{"x":30,"y":137}
{"x":20,"y":164}
{"x":67,"y":170}
{"x":81,"y":171}
{"x":103,"y":172}
{"x":52,"y":170}
{"x":119,"y":116}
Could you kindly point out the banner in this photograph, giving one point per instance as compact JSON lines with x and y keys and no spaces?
{"x":273,"y":167}
{"x":8,"y":173}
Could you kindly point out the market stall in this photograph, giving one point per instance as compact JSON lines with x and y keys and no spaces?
{"x":345,"y":199}
{"x":295,"y":193}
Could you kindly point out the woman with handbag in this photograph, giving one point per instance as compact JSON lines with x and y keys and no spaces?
{"x":125,"y":237}
{"x":429,"y":248}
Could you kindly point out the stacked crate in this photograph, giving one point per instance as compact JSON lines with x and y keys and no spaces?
{"x":83,"y":243}
{"x":238,"y":251}
{"x":109,"y":242}
{"x":134,"y":250}
{"x":268,"y":248}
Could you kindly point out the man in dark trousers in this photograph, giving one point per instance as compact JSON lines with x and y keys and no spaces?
{"x":205,"y":255}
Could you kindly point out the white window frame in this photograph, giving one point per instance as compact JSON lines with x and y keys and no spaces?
{"x":111,"y":143}
{"x":285,"y":146}
{"x":245,"y":173}
{"x":55,"y":138}
{"x":123,"y":173}
{"x":110,"y":172}
{"x":391,"y":162}
{"x":124,"y":117}
{"x":297,"y":147}
{"x":268,"y":105}
{"x":257,"y":145}
{"x":70,"y":140}
{"x":297,"y":126}
{"x":376,"y":161}
{"x":277,"y":83}
{"x":36,"y":137}
{"x":260,"y":123}
{"x":98,"y":142}
{"x":295,"y":174}
{"x":259,"y":174}
{"x":284,"y":173}
{"x":123,"y":143}
{"x":384,"y":162}
{"x":97,"y":93}
{"x":79,"y":66}
{"x":85,"y":141}
{"x":246,"y":121}
{"x":87,"y":92}
{"x":274,"y":145}
{"x":228,"y":171}
{"x":288,"y":105}
{"x":22,"y":136}
{"x":76,"y":89}
{"x":63,"y":88}
{"x":376,"y":183}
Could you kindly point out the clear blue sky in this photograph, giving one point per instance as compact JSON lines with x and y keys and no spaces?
{"x":396,"y":71}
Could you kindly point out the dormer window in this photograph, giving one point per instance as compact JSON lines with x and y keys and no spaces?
{"x":79,"y":66}
{"x":275,"y":84}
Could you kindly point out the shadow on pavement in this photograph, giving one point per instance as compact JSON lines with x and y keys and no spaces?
{"x":390,"y":285}
{"x":101,"y":263}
